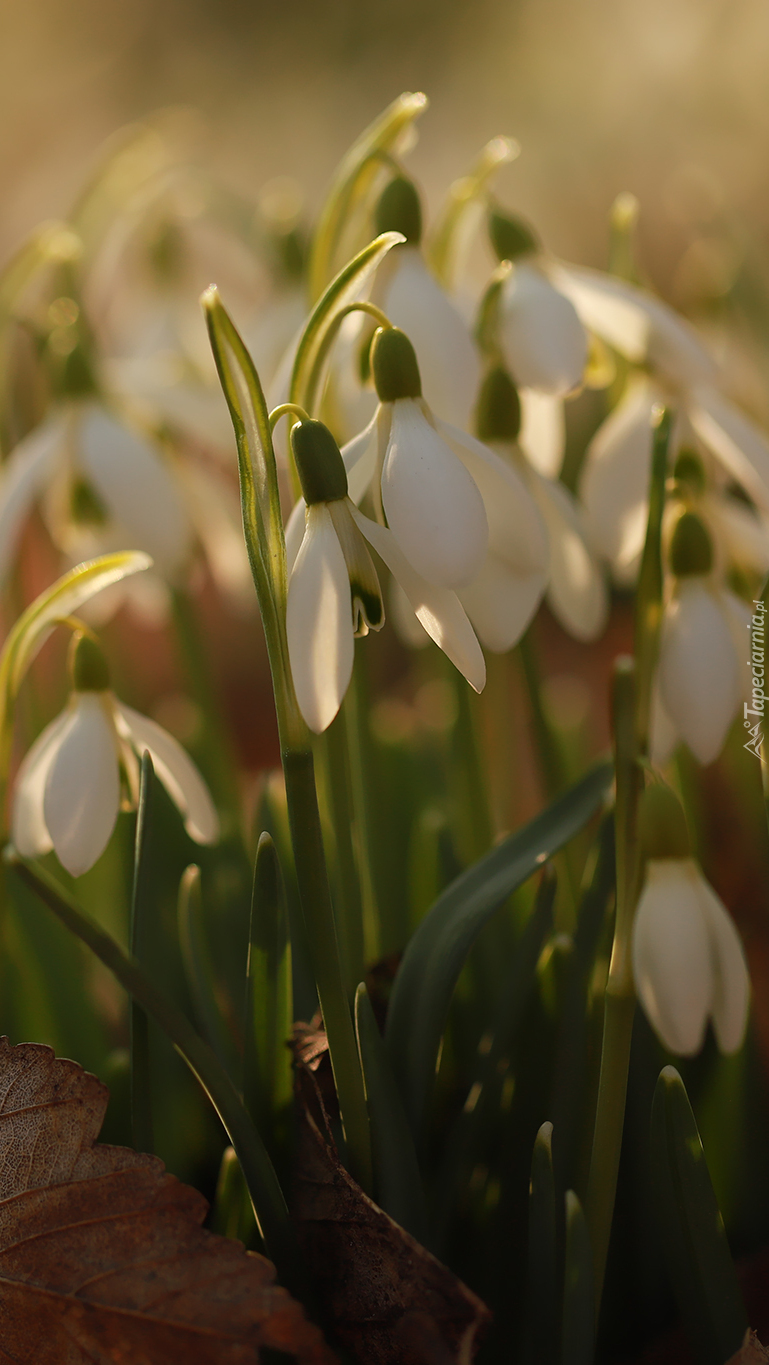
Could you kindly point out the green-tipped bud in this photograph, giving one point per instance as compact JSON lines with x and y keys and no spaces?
{"x":662,"y":824}
{"x":691,"y":549}
{"x":394,"y":366}
{"x":87,"y":665}
{"x":399,"y":210}
{"x":319,"y":463}
{"x":689,"y":470}
{"x":498,"y":411}
{"x":510,"y":236}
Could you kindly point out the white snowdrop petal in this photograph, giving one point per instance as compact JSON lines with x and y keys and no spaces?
{"x":737,"y":442}
{"x":432,"y":505}
{"x":28,"y":828}
{"x":731,"y":983}
{"x":640,"y":326}
{"x":663,"y":736}
{"x":134,"y":484}
{"x":448,"y":360}
{"x":319,"y":622}
{"x":542,"y":437}
{"x":742,"y":532}
{"x":82,"y":788}
{"x":614,"y":487}
{"x":501,"y":603}
{"x":738,"y":619}
{"x":699,"y":677}
{"x":214,"y":509}
{"x":576,"y":590}
{"x":23,"y":476}
{"x":360,"y":456}
{"x":295,"y":532}
{"x":438,"y":609}
{"x":177,"y":772}
{"x":543,"y":341}
{"x":517,"y":531}
{"x":672,"y":960}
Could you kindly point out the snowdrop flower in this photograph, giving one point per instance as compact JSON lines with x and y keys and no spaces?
{"x":412,"y":298}
{"x":575,"y":588}
{"x":543,"y":341}
{"x":68,"y":790}
{"x":688,"y":961}
{"x":333,"y":587}
{"x":702,"y":675}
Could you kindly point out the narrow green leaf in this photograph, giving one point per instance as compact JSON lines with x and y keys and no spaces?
{"x":268,"y":1004}
{"x":438,"y":950}
{"x":231,"y":1212}
{"x":327,"y":316}
{"x":199,"y":968}
{"x":578,"y":1335}
{"x":650,"y":576}
{"x":542,"y":1306}
{"x":397,"y":1182}
{"x":352,"y":183}
{"x":263,"y":1186}
{"x":692,"y":1229}
{"x":464,"y":194}
{"x":142,"y":911}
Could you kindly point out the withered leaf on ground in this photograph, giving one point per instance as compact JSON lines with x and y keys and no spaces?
{"x":102,"y":1255}
{"x":388,"y":1300}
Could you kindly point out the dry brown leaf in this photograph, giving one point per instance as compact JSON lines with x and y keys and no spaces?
{"x":751,"y":1352}
{"x":387,"y":1299}
{"x":102,"y":1255}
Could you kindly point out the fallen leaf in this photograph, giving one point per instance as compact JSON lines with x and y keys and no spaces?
{"x":387,"y":1299}
{"x":750,"y":1353}
{"x":102,"y":1255}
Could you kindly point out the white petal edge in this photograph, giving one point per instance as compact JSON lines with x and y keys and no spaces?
{"x":576,"y":591}
{"x":24,"y":474}
{"x":28,"y":828}
{"x":731,"y":988}
{"x":319,"y":622}
{"x":82,"y":788}
{"x":438,"y":609}
{"x":176,"y":771}
{"x":737,"y":442}
{"x":541,"y":334}
{"x":672,"y":960}
{"x":542,"y":437}
{"x":699,"y":677}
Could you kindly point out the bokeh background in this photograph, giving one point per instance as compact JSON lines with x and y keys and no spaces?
{"x":666,"y":98}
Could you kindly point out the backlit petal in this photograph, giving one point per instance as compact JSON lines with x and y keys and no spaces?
{"x":614,"y":489}
{"x":28,"y":828}
{"x":672,"y":958}
{"x":737,"y":442}
{"x":319,"y":622}
{"x":135,"y":485}
{"x":542,"y":338}
{"x":501,"y":603}
{"x":731,"y":983}
{"x":699,"y":677}
{"x":576,"y":591}
{"x":177,"y":772}
{"x":432,"y":505}
{"x":542,"y":436}
{"x":438,"y":609}
{"x":360,"y":457}
{"x":82,"y":788}
{"x":24,"y":474}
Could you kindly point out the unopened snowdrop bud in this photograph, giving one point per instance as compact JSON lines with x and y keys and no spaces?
{"x":688,"y":961}
{"x":691,"y":548}
{"x":394,"y":366}
{"x":498,"y":414}
{"x":319,"y":463}
{"x":399,"y":210}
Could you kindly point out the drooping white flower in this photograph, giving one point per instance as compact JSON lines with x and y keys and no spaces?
{"x":701,"y":673}
{"x":68,"y":789}
{"x":688,"y":961}
{"x":333,"y":587}
{"x":543,"y":341}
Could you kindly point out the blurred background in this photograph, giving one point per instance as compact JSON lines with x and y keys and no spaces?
{"x":665,"y":98}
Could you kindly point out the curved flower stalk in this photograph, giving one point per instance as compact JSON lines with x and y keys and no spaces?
{"x":83,"y":768}
{"x":458,"y":512}
{"x":702,"y":678}
{"x":542,"y":339}
{"x":333,"y":587}
{"x":688,"y":962}
{"x":575,"y":587}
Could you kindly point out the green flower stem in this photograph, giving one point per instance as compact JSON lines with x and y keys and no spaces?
{"x":619,"y":1001}
{"x":475,"y":830}
{"x":370,"y":849}
{"x":266,"y":1195}
{"x":265,"y":543}
{"x":142,"y":1128}
{"x":648,"y":618}
{"x":336,"y":764}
